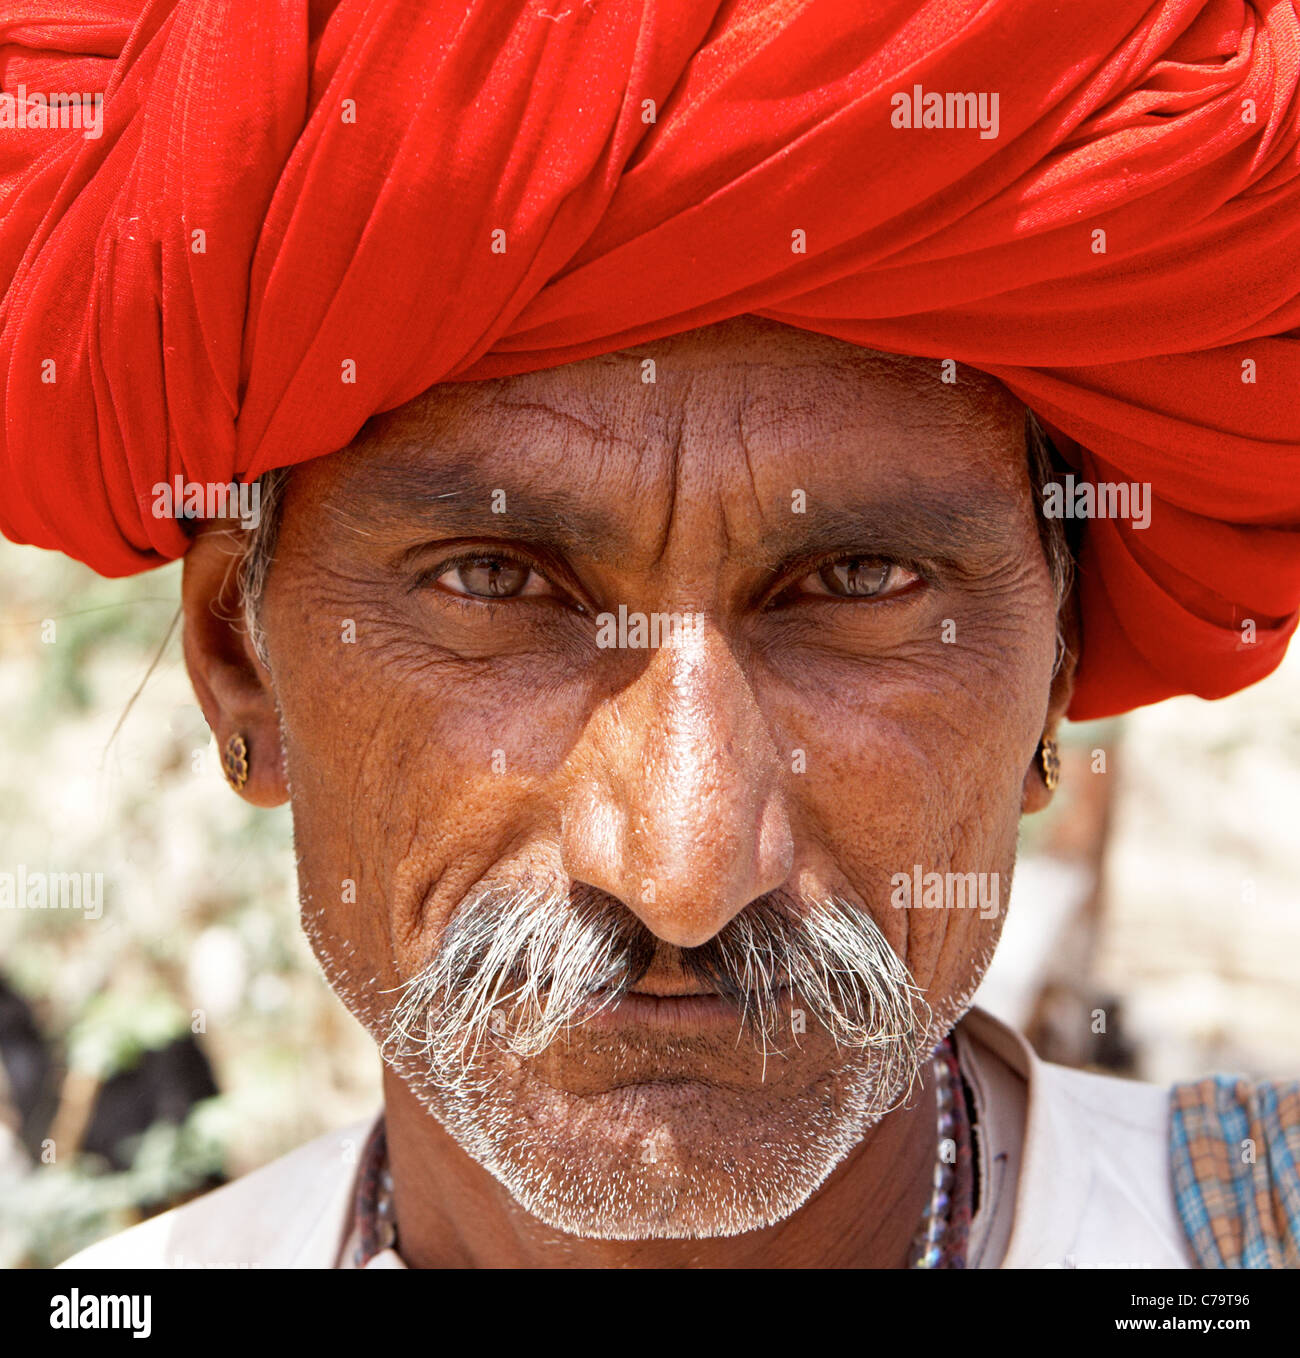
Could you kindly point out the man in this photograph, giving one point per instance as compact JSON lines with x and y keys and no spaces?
{"x":488,"y":802}
{"x":623,"y":691}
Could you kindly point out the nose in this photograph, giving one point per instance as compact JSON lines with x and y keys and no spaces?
{"x":680,"y":807}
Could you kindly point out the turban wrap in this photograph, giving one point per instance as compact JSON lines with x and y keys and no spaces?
{"x":284,"y":187}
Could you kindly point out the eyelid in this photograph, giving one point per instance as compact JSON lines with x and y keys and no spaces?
{"x":924,"y":577}
{"x":430,"y":575}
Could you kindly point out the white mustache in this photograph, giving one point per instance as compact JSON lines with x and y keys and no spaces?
{"x":520,"y":967}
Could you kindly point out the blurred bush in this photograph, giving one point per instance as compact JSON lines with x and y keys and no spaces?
{"x":198,"y":943}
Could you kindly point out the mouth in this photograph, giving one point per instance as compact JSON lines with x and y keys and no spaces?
{"x":682,"y":1014}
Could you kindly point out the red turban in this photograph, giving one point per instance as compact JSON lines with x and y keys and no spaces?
{"x":285,"y":187}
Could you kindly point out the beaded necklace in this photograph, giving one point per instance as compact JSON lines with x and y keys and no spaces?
{"x":940,"y":1240}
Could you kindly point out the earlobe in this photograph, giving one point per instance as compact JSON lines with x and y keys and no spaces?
{"x":1049,"y":762}
{"x":1042,"y":777}
{"x":1044,"y":772}
{"x":232,"y":685}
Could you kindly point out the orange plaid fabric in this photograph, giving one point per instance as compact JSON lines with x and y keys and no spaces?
{"x":1235,"y":1148}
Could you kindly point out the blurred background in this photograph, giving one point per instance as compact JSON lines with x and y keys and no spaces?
{"x":185,"y":1036}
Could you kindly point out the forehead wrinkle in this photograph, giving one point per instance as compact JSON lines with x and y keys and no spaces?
{"x":636,"y":469}
{"x":676,"y":433}
{"x":742,"y":408}
{"x":596,"y":434}
{"x":836,"y":401}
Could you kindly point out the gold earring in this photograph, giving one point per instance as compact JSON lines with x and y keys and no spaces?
{"x":234,"y":762}
{"x":1050,"y":760}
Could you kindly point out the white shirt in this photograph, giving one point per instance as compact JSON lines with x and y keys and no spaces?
{"x":1073,"y":1172}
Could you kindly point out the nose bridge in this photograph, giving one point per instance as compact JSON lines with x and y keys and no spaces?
{"x":689,"y":821}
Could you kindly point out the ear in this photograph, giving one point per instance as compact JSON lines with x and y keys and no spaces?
{"x":232,"y":685}
{"x":1036,"y":796}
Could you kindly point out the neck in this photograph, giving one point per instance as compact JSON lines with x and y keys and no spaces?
{"x":452,"y":1213}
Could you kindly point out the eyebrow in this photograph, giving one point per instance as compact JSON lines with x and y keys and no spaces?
{"x":952,"y":524}
{"x":955,"y":523}
{"x":459,"y":498}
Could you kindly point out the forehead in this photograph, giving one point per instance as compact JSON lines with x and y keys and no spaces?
{"x":747,"y":410}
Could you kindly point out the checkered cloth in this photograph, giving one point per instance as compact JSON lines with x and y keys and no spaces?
{"x":1235,"y":1147}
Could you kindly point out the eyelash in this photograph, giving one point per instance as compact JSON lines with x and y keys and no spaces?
{"x":449,"y":563}
{"x":432,"y":574}
{"x":923,"y":573}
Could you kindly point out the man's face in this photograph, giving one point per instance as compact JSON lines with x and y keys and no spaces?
{"x":855,"y":694}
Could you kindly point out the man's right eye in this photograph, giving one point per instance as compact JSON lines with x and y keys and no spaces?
{"x":491,"y":577}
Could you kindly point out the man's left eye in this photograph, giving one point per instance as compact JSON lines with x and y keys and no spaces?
{"x":858,"y":577}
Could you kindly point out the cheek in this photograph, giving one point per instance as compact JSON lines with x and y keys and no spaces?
{"x":412,"y":777}
{"x":917,"y":766}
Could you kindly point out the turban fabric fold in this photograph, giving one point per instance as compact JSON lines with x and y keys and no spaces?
{"x":287,"y":186}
